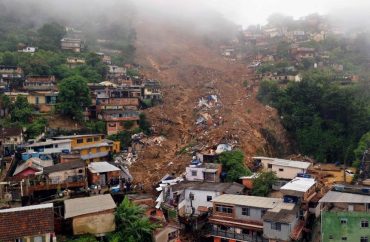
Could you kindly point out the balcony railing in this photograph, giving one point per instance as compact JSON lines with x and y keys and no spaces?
{"x":236,"y":236}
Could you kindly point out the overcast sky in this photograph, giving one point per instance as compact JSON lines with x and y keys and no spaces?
{"x":245,"y":12}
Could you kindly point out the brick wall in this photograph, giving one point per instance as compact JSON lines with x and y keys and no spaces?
{"x":19,"y":224}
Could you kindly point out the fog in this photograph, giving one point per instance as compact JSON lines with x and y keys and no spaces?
{"x":200,"y":15}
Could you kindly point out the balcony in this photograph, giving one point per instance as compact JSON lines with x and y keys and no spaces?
{"x":236,"y":236}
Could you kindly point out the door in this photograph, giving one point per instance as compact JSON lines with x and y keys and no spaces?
{"x":103,"y":179}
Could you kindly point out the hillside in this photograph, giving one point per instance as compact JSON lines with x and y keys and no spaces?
{"x":189,"y":69}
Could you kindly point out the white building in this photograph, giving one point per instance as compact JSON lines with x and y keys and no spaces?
{"x":284,"y":169}
{"x":50,"y":146}
{"x":195,"y":197}
{"x":209,"y":172}
{"x":28,"y":49}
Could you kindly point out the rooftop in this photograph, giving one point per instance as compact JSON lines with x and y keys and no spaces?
{"x":32,"y":207}
{"x":286,"y":163}
{"x":250,"y":201}
{"x":87,"y":205}
{"x":230,"y":188}
{"x":64,"y":166}
{"x":34,"y":163}
{"x":344,"y":197}
{"x":48,"y":142}
{"x":102,"y":166}
{"x":299,"y":184}
{"x":12,"y":131}
{"x":76,"y":136}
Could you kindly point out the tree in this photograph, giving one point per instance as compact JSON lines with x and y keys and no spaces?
{"x":9,"y":59}
{"x":144,"y":124}
{"x":233,"y":164}
{"x":73,"y":96}
{"x":132,"y":224}
{"x":49,"y":36}
{"x":262,"y":184}
{"x":35,"y":128}
{"x":21,"y":111}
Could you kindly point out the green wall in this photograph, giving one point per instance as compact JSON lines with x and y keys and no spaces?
{"x":331,"y":225}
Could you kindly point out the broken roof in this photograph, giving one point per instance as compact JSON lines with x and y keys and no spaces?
{"x":64,"y":166}
{"x":229,"y":188}
{"x":87,"y":205}
{"x":249,"y":201}
{"x":101,"y":167}
{"x":299,"y":184}
{"x":344,"y":197}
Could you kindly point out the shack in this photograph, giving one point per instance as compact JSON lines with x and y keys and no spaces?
{"x":91,"y":215}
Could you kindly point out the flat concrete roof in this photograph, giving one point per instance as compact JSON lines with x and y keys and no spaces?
{"x":249,"y":201}
{"x":344,"y":197}
{"x":299,"y":184}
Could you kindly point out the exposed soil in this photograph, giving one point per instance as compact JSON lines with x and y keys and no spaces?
{"x":190,"y":69}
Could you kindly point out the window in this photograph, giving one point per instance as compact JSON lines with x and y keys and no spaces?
{"x":276,"y":226}
{"x":209,"y":198}
{"x":37,"y":239}
{"x":79,"y":141}
{"x":194,"y":173}
{"x":224,"y":209}
{"x":364,"y":239}
{"x":80,"y":171}
{"x":344,"y":238}
{"x":89,"y":139}
{"x":343,"y":221}
{"x":269,"y":165}
{"x":245,"y":211}
{"x":364,"y":223}
{"x":281,"y":169}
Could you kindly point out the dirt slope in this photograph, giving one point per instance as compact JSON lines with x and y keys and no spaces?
{"x":189,"y":69}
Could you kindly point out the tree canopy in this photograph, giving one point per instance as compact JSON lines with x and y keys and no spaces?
{"x":262,"y":184}
{"x":326,"y":120}
{"x":233,"y":165}
{"x":132,"y":224}
{"x":73,"y":96}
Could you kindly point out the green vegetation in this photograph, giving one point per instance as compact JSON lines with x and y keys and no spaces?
{"x":21,"y":110}
{"x":262,"y":185}
{"x":73,"y":96}
{"x":49,"y":36}
{"x":35,"y":128}
{"x":144,"y":124}
{"x":326,"y":120}
{"x":132,"y":224}
{"x":233,"y":165}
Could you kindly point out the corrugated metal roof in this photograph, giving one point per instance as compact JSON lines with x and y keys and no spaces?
{"x":101,"y":166}
{"x":86,"y":205}
{"x":299,"y":184}
{"x":343,"y":197}
{"x":249,"y":201}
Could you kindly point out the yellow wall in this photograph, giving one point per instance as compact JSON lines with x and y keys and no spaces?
{"x":74,"y":143}
{"x":32,"y":99}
